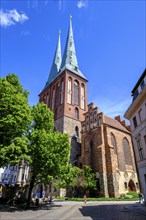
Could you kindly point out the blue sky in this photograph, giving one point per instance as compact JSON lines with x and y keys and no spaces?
{"x":109,"y":39}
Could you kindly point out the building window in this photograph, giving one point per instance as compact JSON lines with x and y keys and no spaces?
{"x":53,"y":99}
{"x":127,"y":153}
{"x":82,"y":96}
{"x":140,"y":150}
{"x":57,"y":96}
{"x":137,"y":185}
{"x":99,"y":120}
{"x":125,"y":184}
{"x":135,"y":95}
{"x":76,"y":92}
{"x":76,"y":113}
{"x":62,"y":91}
{"x":113,"y":141}
{"x":140,"y":115}
{"x":76,"y":131}
{"x":69,"y":91}
{"x":135,"y":122}
{"x":142,"y":84}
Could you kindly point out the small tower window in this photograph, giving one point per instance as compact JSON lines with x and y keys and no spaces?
{"x":53,"y":99}
{"x":69,"y":91}
{"x":82,"y":96}
{"x":76,"y":92}
{"x":62,"y":91}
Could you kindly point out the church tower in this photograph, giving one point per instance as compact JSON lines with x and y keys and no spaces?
{"x":65,"y":93}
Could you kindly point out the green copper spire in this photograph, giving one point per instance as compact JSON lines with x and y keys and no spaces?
{"x":56,"y":62}
{"x":69,"y":60}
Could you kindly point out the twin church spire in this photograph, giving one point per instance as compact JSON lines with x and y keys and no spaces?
{"x":69,"y":60}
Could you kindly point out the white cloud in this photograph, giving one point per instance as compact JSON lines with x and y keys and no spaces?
{"x":82,"y":4}
{"x":112,"y":108}
{"x":10,"y":17}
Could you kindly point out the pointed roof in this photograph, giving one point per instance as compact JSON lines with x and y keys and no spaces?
{"x":56,"y":62}
{"x":69,"y":60}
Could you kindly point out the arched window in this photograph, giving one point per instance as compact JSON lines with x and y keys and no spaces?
{"x":76,"y":131}
{"x":76,"y":92}
{"x":113,"y":142}
{"x":127,"y":153}
{"x":62,"y":91}
{"x":99,"y":120}
{"x":53,"y":98}
{"x":69,"y":91}
{"x":82,"y":96}
{"x":76,"y":113}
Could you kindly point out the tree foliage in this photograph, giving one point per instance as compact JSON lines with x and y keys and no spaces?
{"x":15,"y":117}
{"x":76,"y":177}
{"x":48,"y":150}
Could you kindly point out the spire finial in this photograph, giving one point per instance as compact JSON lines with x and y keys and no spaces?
{"x":70,"y":17}
{"x":59,"y":33}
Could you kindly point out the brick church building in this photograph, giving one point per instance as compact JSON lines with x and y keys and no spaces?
{"x":96,"y":140}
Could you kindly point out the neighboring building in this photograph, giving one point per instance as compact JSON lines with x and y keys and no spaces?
{"x":136,"y":113}
{"x":65,"y":93}
{"x":107,"y":148}
{"x":18,"y":174}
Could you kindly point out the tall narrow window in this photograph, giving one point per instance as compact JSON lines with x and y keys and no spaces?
{"x":76,"y":113}
{"x":53,"y":99}
{"x":76,"y":131}
{"x":140,"y":150}
{"x":82,"y":96}
{"x":57,"y":95}
{"x":140,"y":115}
{"x":76,"y":92}
{"x":113,"y":141}
{"x":135,"y":122}
{"x":127,"y":153}
{"x":62,"y":91}
{"x":69,"y":91}
{"x":99,"y":120}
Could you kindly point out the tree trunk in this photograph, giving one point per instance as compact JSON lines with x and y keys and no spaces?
{"x":32,"y":181}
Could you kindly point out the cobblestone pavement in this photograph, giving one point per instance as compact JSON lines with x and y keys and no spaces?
{"x":66,"y":210}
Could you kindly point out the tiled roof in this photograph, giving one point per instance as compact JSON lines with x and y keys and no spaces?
{"x":114,"y":123}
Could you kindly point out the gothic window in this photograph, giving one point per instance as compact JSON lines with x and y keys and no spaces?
{"x":127,"y":153}
{"x":57,"y":95}
{"x":82,"y":96}
{"x":76,"y":131}
{"x":140,"y":150}
{"x":76,"y":113}
{"x":62,"y":91}
{"x":53,"y":98}
{"x":69,"y":91}
{"x":76,"y":92}
{"x":113,"y":141}
{"x":99,"y":120}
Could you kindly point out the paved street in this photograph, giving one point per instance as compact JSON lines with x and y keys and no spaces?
{"x":65,"y":210}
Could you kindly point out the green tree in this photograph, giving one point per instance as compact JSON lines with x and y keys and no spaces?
{"x":15,"y":117}
{"x":73,"y":176}
{"x":48,"y":150}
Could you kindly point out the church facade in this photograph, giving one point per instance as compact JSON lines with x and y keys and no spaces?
{"x":96,"y":140}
